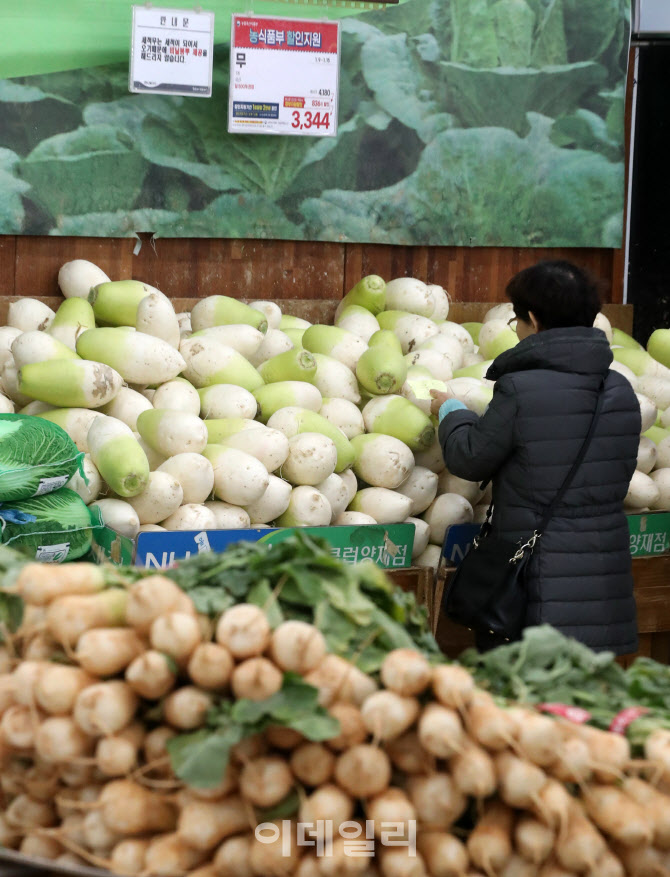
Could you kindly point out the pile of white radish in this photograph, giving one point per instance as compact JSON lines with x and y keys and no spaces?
{"x":86,"y":777}
{"x":239,"y":415}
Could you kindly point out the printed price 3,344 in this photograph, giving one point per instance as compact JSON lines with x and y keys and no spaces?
{"x":307,"y":119}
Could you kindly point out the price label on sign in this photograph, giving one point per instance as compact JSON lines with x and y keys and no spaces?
{"x":284,"y":76}
{"x":172,"y":51}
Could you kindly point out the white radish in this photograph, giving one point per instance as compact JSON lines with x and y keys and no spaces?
{"x":191,"y":516}
{"x":76,"y":278}
{"x":150,"y":675}
{"x":239,"y":478}
{"x":336,"y":491}
{"x":343,"y":414}
{"x":256,"y":679}
{"x":187,"y":707}
{"x":177,"y":395}
{"x":421,"y":487}
{"x":297,"y":647}
{"x":29,"y":314}
{"x":118,"y":515}
{"x":226,"y":400}
{"x":194,"y":473}
{"x":445,"y":511}
{"x":231,"y":517}
{"x":88,"y":487}
{"x":241,"y":337}
{"x":307,"y":507}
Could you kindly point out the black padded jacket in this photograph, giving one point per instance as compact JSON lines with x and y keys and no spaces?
{"x":545,"y":393}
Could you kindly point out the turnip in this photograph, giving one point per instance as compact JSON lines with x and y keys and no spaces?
{"x":239,"y":478}
{"x":437,"y":801}
{"x":490,"y":725}
{"x":176,"y":634}
{"x":539,"y":737}
{"x":209,"y":362}
{"x":169,"y":856}
{"x":444,"y":854}
{"x":117,"y":755}
{"x":118,"y":457}
{"x":210,"y":666}
{"x":473,"y":771}
{"x":70,"y":616}
{"x":25,"y":813}
{"x":306,"y":508}
{"x":312,"y":764}
{"x":204,"y":824}
{"x":177,"y":395}
{"x":619,"y":815}
{"x":151,"y":597}
{"x":519,"y":780}
{"x":150,"y":675}
{"x":243,"y":338}
{"x":107,"y":651}
{"x":222,"y":310}
{"x":232,"y":857}
{"x":440,"y":731}
{"x":579,"y":847}
{"x":256,"y":679}
{"x":296,"y":646}
{"x":363,"y":771}
{"x":187,"y":707}
{"x":275,"y":851}
{"x":406,"y":672}
{"x":57,"y":687}
{"x":17,"y":726}
{"x":39,"y":584}
{"x":191,"y":516}
{"x":39,"y":846}
{"x":656,"y":805}
{"x":105,"y":708}
{"x":266,"y":781}
{"x":327,"y":802}
{"x":128,"y":856}
{"x":337,"y":679}
{"x":29,"y":314}
{"x":60,"y":739}
{"x":391,"y":807}
{"x":76,"y":278}
{"x":274,"y":343}
{"x":118,"y":515}
{"x":270,"y":310}
{"x":534,"y":840}
{"x":421,"y":487}
{"x":352,"y":727}
{"x":408,"y":755}
{"x":244,"y":630}
{"x":334,"y":380}
{"x":226,"y":400}
{"x":490,"y":843}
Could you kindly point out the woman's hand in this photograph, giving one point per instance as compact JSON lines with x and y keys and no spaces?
{"x":438,"y":397}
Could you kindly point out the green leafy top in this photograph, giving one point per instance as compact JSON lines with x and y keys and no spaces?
{"x":201,"y":758}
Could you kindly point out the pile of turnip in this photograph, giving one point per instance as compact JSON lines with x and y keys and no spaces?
{"x":237,"y":415}
{"x":98,"y":680}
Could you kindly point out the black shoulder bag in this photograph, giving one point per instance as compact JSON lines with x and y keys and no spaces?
{"x":486,"y":592}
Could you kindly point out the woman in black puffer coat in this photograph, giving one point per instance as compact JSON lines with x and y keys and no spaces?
{"x":579,"y":577}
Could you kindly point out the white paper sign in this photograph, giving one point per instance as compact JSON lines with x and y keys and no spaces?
{"x":284,"y":76}
{"x":172,"y":51}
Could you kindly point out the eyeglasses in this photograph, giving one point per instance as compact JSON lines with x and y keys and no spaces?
{"x":511,"y":320}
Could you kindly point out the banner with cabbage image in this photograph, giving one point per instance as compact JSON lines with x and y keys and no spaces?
{"x":462,"y":122}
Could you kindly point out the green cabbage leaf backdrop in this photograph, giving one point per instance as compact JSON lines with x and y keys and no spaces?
{"x":461,"y":122}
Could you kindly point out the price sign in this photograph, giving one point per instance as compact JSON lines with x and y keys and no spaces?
{"x":284,"y":76}
{"x":172,"y":51}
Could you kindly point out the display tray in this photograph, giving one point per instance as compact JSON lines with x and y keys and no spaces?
{"x":13,"y":863}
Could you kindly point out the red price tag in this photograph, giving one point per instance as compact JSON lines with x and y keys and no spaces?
{"x":571,"y":713}
{"x":626,"y":717}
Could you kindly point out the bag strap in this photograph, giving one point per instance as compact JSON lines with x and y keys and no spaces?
{"x":578,"y":462}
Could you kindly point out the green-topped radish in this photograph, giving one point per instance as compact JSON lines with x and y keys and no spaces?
{"x":292,"y":365}
{"x":226,"y":401}
{"x":368,"y":293}
{"x":115,"y":302}
{"x":334,"y":379}
{"x":311,"y":458}
{"x":177,"y":395}
{"x":156,"y":317}
{"x":270,"y":446}
{"x":36,"y":346}
{"x":307,"y":507}
{"x":193,"y":472}
{"x":69,"y":383}
{"x":337,"y":343}
{"x":381,"y":369}
{"x":293,"y":421}
{"x":221,"y":310}
{"x":209,"y":362}
{"x":139,"y":358}
{"x":171,"y":432}
{"x":239,"y":478}
{"x":240,"y":336}
{"x":474,"y":394}
{"x":271,"y":504}
{"x":284,"y":394}
{"x":118,"y":457}
{"x":75,"y":421}
{"x":411,"y":329}
{"x":126,"y":406}
{"x":411,"y":295}
{"x":343,"y":414}
{"x":29,"y":314}
{"x":270,"y":310}
{"x":76,"y":278}
{"x":397,"y":417}
{"x":274,"y":343}
{"x":357,"y":320}
{"x":383,"y":505}
{"x":382,"y":460}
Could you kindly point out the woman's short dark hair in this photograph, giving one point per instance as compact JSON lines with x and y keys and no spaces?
{"x":557,"y":292}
